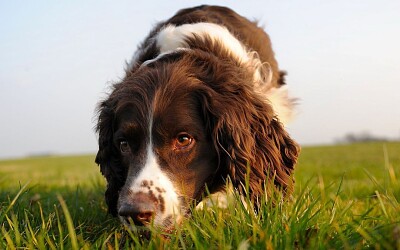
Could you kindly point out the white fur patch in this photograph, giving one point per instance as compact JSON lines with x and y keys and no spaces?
{"x":223,"y":199}
{"x":281,"y":103}
{"x":152,"y":179}
{"x":152,"y":173}
{"x":173,"y":37}
{"x":219,"y":199}
{"x":160,"y":56}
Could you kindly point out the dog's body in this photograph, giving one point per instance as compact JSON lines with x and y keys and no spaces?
{"x":202,"y":100}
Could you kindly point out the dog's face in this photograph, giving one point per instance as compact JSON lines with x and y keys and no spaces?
{"x":165,"y":148}
{"x":181,"y":124}
{"x":159,"y":154}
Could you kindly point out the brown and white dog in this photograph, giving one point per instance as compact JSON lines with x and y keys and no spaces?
{"x":203,"y":100}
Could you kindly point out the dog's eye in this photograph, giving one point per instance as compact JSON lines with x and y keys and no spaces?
{"x":183,"y":141}
{"x":124,"y":146}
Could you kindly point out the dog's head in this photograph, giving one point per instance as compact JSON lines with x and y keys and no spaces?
{"x":182,"y":123}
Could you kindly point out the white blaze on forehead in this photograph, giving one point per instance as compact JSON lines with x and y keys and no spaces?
{"x":152,"y":173}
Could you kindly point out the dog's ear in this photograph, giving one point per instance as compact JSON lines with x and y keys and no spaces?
{"x":251,"y":142}
{"x":106,"y":156}
{"x":282,"y":155}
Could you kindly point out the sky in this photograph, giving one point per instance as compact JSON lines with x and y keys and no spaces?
{"x":59,"y":59}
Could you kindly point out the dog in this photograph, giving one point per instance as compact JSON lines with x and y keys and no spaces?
{"x":202,"y":101}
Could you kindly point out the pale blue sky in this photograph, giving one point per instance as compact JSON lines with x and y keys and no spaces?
{"x":59,"y":58}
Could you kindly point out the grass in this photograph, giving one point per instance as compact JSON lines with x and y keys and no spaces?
{"x":346,"y":197}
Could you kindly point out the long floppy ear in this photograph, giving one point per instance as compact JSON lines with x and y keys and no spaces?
{"x":106,"y":157}
{"x":251,"y":142}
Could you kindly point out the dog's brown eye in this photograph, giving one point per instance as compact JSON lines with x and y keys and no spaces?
{"x":183,"y":141}
{"x":124,"y":146}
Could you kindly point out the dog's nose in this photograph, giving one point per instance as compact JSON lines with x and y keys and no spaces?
{"x":141,"y":210}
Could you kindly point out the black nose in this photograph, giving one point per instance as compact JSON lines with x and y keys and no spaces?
{"x":141,"y":209}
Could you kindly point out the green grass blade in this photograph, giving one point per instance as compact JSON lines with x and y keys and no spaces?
{"x":70,"y":224}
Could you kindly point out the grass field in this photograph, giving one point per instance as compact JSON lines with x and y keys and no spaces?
{"x":346,"y":197}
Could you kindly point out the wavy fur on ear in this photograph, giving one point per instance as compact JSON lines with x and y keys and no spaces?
{"x":106,"y":156}
{"x":246,"y":132}
{"x":255,"y":140}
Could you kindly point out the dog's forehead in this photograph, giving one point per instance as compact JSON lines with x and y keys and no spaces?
{"x":131,"y":117}
{"x":180,"y":106}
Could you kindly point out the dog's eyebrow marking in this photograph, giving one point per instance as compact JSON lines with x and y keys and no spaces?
{"x":128,"y":126}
